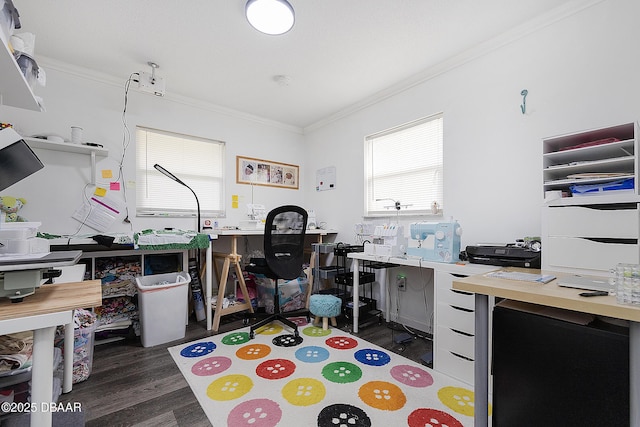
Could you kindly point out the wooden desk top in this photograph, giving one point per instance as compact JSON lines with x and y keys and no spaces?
{"x":54,"y":298}
{"x":549,"y":294}
{"x":238,"y":232}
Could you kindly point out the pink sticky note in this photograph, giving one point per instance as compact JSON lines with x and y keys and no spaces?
{"x":115,"y":186}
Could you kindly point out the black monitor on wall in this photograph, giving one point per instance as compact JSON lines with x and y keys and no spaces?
{"x":17,"y":159}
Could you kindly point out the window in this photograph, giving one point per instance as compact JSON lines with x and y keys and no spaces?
{"x":405,"y":164}
{"x":198,"y":162}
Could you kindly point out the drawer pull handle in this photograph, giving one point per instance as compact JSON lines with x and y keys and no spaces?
{"x":459,"y":275}
{"x":461,"y":356}
{"x":608,"y":207}
{"x":466,"y":310}
{"x":612,"y":240}
{"x":466,"y":334}
{"x":461,"y":292}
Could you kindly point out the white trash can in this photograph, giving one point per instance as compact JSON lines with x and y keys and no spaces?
{"x":163,"y":306}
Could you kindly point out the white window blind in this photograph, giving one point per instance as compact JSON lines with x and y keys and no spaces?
{"x":405,"y":164}
{"x":197,"y":162}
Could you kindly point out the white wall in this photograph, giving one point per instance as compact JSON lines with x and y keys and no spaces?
{"x":581,"y":72}
{"x":55,"y":192}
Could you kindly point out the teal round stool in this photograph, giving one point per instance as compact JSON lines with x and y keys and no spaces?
{"x":325,"y":307}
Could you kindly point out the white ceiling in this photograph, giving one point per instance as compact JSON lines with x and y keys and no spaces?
{"x":339,"y":54}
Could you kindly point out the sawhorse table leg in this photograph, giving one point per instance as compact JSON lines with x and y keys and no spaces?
{"x":232,"y":258}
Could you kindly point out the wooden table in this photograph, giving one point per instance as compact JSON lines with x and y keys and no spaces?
{"x":50,"y":306}
{"x":232,"y":259}
{"x":550,"y":295}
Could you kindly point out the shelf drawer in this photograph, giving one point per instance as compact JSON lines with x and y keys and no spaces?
{"x":582,"y":221}
{"x":456,"y":298}
{"x":575,"y":252}
{"x":445,"y":294}
{"x":454,"y":365}
{"x":455,"y":317}
{"x":458,"y":342}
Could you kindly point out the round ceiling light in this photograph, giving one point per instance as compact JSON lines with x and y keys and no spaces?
{"x":272,"y":17}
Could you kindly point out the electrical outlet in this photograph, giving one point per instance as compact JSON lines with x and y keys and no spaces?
{"x":401,"y":282}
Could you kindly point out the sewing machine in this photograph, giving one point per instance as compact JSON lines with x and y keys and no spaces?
{"x":257,"y":214}
{"x":435,"y":241}
{"x":388,"y":240}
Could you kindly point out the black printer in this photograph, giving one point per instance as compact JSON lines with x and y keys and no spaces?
{"x":506,"y":256}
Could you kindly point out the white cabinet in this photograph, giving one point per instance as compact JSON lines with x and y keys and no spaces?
{"x":14,"y":89}
{"x":591,"y":233}
{"x":453,"y":346}
{"x":591,"y":157}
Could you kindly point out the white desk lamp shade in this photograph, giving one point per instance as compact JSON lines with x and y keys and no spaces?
{"x":272,"y":17}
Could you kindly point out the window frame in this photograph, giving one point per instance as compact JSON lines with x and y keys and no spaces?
{"x":378,"y":205}
{"x":147,"y":175}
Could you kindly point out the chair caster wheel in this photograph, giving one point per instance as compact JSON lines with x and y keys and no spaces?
{"x":252,"y":335}
{"x":245,"y":322}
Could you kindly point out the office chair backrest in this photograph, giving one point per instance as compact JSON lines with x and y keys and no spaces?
{"x":284,"y":240}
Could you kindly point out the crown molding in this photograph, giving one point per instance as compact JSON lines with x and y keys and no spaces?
{"x":481,"y":49}
{"x":98,"y":77}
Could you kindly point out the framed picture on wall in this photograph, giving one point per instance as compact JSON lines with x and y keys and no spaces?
{"x":266,"y":172}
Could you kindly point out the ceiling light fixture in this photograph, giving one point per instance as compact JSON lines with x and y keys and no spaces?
{"x":273,"y":17}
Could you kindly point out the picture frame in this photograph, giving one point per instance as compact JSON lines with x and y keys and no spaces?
{"x":254,"y":171}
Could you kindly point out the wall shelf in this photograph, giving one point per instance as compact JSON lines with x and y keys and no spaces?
{"x":14,"y":89}
{"x":36,"y":143}
{"x":66,"y":146}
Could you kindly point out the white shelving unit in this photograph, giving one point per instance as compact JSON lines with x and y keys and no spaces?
{"x":591,"y":233}
{"x":92,"y":152}
{"x":572,"y":160}
{"x":14,"y":89}
{"x":118,"y":260}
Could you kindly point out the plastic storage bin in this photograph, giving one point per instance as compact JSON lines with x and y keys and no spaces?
{"x":83,"y":342}
{"x":163,"y":301}
{"x":83,"y":353}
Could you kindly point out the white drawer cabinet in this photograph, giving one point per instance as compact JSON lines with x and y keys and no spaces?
{"x":597,"y":227}
{"x":455,"y":365}
{"x":456,"y":317}
{"x":456,"y":341}
{"x":592,"y":237}
{"x":453,"y":343}
{"x":596,"y":221}
{"x":587,"y":254}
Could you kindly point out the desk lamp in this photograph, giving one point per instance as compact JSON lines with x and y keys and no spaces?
{"x":176,"y":179}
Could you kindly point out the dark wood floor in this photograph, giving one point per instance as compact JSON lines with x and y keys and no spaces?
{"x":135,"y":386}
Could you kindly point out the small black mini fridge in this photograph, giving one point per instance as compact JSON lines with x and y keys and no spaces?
{"x":552,"y":372}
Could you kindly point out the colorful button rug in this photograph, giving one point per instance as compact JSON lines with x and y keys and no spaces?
{"x":322,"y":378}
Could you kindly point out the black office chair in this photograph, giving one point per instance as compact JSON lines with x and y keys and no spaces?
{"x":284,"y":233}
